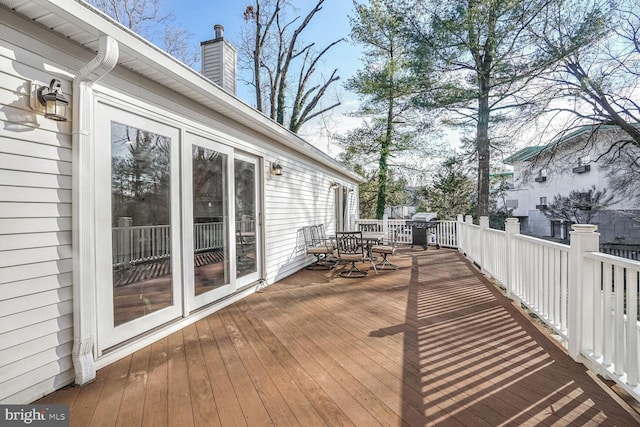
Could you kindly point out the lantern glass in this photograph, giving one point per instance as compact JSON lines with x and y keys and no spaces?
{"x":55,"y":106}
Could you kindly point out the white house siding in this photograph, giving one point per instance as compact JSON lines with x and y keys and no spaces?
{"x":36,"y":326}
{"x":301,"y":196}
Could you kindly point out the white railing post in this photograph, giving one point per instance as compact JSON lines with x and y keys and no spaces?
{"x":460,"y":233}
{"x":459,"y":220}
{"x":468,"y":220}
{"x":385,"y":227}
{"x":511,"y":227}
{"x":584,"y":239}
{"x":125,"y":222}
{"x":484,"y":224}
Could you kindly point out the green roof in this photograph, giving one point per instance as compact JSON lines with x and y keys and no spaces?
{"x":530,"y":152}
{"x":524,"y":154}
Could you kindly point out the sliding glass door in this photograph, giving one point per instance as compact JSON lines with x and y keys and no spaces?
{"x":247,"y":219}
{"x":138,"y":228}
{"x":178,"y":223}
{"x":209,"y":259}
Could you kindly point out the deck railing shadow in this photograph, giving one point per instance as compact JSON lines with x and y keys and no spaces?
{"x":590,"y":299}
{"x":478,"y":359}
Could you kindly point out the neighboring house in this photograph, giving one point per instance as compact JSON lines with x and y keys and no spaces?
{"x":573,"y":162}
{"x":159,"y":200}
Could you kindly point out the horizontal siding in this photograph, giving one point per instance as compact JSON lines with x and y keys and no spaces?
{"x":300,"y":197}
{"x":34,"y":240}
{"x":34,"y":316}
{"x":34,"y":210}
{"x":29,"y":390}
{"x":35,"y":285}
{"x":47,"y":372}
{"x":36,"y":322}
{"x":34,"y":225}
{"x":33,"y":332}
{"x":11,"y":178}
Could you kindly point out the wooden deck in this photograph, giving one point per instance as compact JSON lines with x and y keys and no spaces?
{"x":433,"y":343}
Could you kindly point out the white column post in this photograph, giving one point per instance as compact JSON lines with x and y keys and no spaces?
{"x":468,"y":220}
{"x":511,"y":227}
{"x":580,"y":311}
{"x":459,"y":232}
{"x":484,"y":224}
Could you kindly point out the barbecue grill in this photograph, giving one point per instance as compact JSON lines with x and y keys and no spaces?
{"x":420,"y":232}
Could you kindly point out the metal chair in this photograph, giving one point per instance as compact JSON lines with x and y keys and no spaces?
{"x":351,"y":249}
{"x":317,"y":247}
{"x":329,"y":242}
{"x":385,"y":251}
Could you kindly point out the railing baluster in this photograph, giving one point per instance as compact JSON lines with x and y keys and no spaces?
{"x":619,"y":321}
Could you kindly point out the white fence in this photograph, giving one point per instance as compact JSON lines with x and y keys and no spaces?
{"x":445,"y":234}
{"x":589,"y":298}
{"x":138,"y":244}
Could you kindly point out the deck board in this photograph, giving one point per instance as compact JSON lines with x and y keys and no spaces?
{"x":433,"y":343}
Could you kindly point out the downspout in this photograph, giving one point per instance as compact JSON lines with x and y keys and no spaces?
{"x":84,"y":259}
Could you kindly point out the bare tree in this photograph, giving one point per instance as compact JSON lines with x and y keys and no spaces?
{"x":580,"y":206}
{"x":272,"y":50}
{"x":594,"y":85}
{"x":145,"y":18}
{"x":596,"y":82}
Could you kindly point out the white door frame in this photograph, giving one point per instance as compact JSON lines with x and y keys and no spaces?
{"x":109,"y":335}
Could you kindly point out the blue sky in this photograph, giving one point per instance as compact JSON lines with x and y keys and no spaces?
{"x":331,"y":23}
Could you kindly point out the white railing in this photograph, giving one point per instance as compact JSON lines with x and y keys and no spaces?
{"x":137,"y":244}
{"x":610,"y":334}
{"x":446,"y":232}
{"x":208,"y":236}
{"x":541,"y":283}
{"x":590,"y":299}
{"x":495,"y":241}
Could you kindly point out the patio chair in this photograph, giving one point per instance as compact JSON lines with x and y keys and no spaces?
{"x":329,"y":241}
{"x":385,"y":251}
{"x":352,"y":249}
{"x":317,"y":247}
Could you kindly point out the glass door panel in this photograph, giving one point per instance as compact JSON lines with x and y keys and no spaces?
{"x":207,"y":185}
{"x":210,"y":199}
{"x":137,"y":232}
{"x":141,"y":222}
{"x":247,"y":202}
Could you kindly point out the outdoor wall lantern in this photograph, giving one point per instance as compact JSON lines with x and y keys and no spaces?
{"x":334,"y":186}
{"x":276,"y":168}
{"x":51,"y":98}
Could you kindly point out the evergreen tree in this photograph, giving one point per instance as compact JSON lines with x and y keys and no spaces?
{"x":476,"y":59}
{"x":384,"y":85}
{"x":452,"y":191}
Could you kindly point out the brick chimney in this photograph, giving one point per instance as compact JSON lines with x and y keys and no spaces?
{"x":219,"y":60}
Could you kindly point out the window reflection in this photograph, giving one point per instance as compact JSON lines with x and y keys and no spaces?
{"x":141,"y":222}
{"x":245,"y":200}
{"x":209,"y":219}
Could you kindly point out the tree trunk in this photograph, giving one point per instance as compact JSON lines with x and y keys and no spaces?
{"x":483,"y":148}
{"x":484,"y":63}
{"x":257,"y":55}
{"x":383,"y":167}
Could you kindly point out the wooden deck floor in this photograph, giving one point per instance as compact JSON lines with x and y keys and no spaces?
{"x":433,"y":343}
